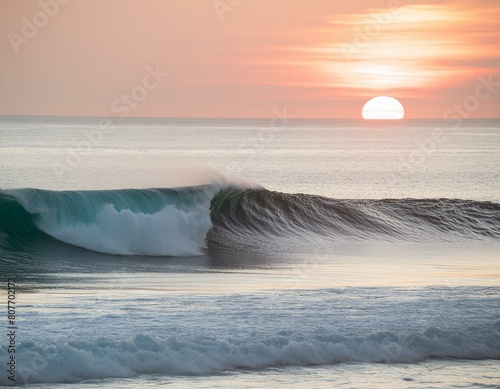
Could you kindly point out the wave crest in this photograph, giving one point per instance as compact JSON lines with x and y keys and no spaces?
{"x":181,"y":222}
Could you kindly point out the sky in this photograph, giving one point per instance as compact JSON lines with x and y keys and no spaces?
{"x":247,"y":58}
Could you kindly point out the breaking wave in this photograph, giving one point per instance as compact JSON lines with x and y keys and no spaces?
{"x":184,"y":221}
{"x":73,"y":361}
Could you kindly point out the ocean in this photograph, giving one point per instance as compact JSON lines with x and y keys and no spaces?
{"x":281,"y":252}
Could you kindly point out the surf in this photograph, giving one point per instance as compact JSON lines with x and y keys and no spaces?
{"x":186,"y":221}
{"x":154,"y":222}
{"x":199,"y":355}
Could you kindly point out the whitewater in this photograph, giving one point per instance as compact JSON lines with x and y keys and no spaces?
{"x":327,"y":256}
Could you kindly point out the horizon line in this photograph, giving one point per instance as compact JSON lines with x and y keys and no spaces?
{"x":235,"y":118}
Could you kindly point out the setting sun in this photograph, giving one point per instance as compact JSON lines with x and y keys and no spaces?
{"x":383,"y":108}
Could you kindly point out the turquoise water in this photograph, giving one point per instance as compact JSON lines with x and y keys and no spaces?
{"x":314,"y":254}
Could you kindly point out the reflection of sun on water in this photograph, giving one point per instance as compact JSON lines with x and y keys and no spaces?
{"x":383,"y":108}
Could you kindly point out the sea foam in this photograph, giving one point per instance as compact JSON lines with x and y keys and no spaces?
{"x":72,"y":361}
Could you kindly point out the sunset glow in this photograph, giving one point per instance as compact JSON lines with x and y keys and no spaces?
{"x":320,"y":59}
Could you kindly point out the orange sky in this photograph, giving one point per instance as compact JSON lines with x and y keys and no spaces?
{"x":243,"y":58}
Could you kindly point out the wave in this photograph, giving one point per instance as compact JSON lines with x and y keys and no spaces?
{"x":184,"y":221}
{"x":142,"y":222}
{"x":77,"y":360}
{"x":264,"y":214}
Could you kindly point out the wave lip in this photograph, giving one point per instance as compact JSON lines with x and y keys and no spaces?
{"x":204,"y":355}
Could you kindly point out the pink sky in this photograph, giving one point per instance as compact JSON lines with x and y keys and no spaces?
{"x":318,"y":58}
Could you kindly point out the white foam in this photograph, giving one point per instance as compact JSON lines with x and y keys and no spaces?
{"x":105,"y":358}
{"x":171,"y":231}
{"x":85,"y":220}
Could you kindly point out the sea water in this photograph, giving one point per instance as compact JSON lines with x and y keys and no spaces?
{"x":250,"y":253}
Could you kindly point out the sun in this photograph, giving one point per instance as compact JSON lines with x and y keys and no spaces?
{"x":383,"y":108}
